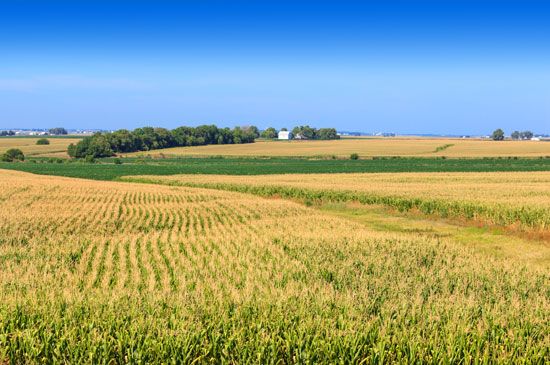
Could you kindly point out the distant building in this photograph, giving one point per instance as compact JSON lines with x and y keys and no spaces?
{"x":285,"y":135}
{"x":535,"y":139}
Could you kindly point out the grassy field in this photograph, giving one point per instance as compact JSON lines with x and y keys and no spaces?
{"x":507,"y":199}
{"x":491,"y":241}
{"x":107,"y":170}
{"x":412,"y":147}
{"x":58,"y":145}
{"x":114,"y":272}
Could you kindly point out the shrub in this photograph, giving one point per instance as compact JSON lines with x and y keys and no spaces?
{"x":13,"y":154}
{"x":117,"y":161}
{"x":354,"y":156}
{"x":55,"y":160}
{"x":42,"y":142}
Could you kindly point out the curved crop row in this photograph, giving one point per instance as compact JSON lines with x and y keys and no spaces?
{"x":527,"y":217}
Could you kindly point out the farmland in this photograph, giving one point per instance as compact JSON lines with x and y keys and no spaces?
{"x":275,"y":259}
{"x":106,"y":169}
{"x":96,"y":271}
{"x":497,"y":198}
{"x":275,"y":182}
{"x":58,"y":145}
{"x":369,"y":147}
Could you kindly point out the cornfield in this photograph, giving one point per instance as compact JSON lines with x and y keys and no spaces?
{"x":115,"y":272}
{"x":519,"y":199}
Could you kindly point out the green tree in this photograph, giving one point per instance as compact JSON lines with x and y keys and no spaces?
{"x":124,"y":141}
{"x":269,"y":133}
{"x":147,"y":137}
{"x":80,"y":150}
{"x":42,"y":141}
{"x":515,"y":135}
{"x":13,"y":154}
{"x":526,"y":135}
{"x":498,"y":135}
{"x":304,"y":132}
{"x":241,"y":135}
{"x":99,"y":147}
{"x":327,"y":133}
{"x":225,"y":136}
{"x":95,"y":146}
{"x":57,"y":131}
{"x":252,"y":130}
{"x":163,"y":138}
{"x":182,"y":136}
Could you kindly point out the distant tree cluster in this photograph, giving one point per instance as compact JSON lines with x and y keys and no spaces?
{"x":498,"y":135}
{"x":307,"y":132}
{"x":326,"y":133}
{"x":7,"y":133}
{"x":148,"y":138}
{"x":57,"y":131}
{"x":42,"y":142}
{"x":304,"y":132}
{"x":522,"y":135}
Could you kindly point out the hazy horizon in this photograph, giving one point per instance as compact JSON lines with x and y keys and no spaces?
{"x":423,"y":67}
{"x":361,"y":132}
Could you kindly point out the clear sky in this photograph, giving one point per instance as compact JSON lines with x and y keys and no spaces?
{"x":458,"y":67}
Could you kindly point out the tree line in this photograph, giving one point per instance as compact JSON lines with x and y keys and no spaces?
{"x":498,"y":135}
{"x":304,"y":132}
{"x":52,"y":131}
{"x":522,"y":135}
{"x":149,"y":138}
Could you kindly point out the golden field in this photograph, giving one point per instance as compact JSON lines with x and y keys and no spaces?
{"x":365,"y":147}
{"x":122,"y":272}
{"x":504,"y":198}
{"x":28,"y":145}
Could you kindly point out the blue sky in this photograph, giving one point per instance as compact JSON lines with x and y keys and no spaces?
{"x":459,"y":67}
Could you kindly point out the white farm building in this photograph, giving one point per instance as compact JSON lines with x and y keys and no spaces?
{"x":285,"y":135}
